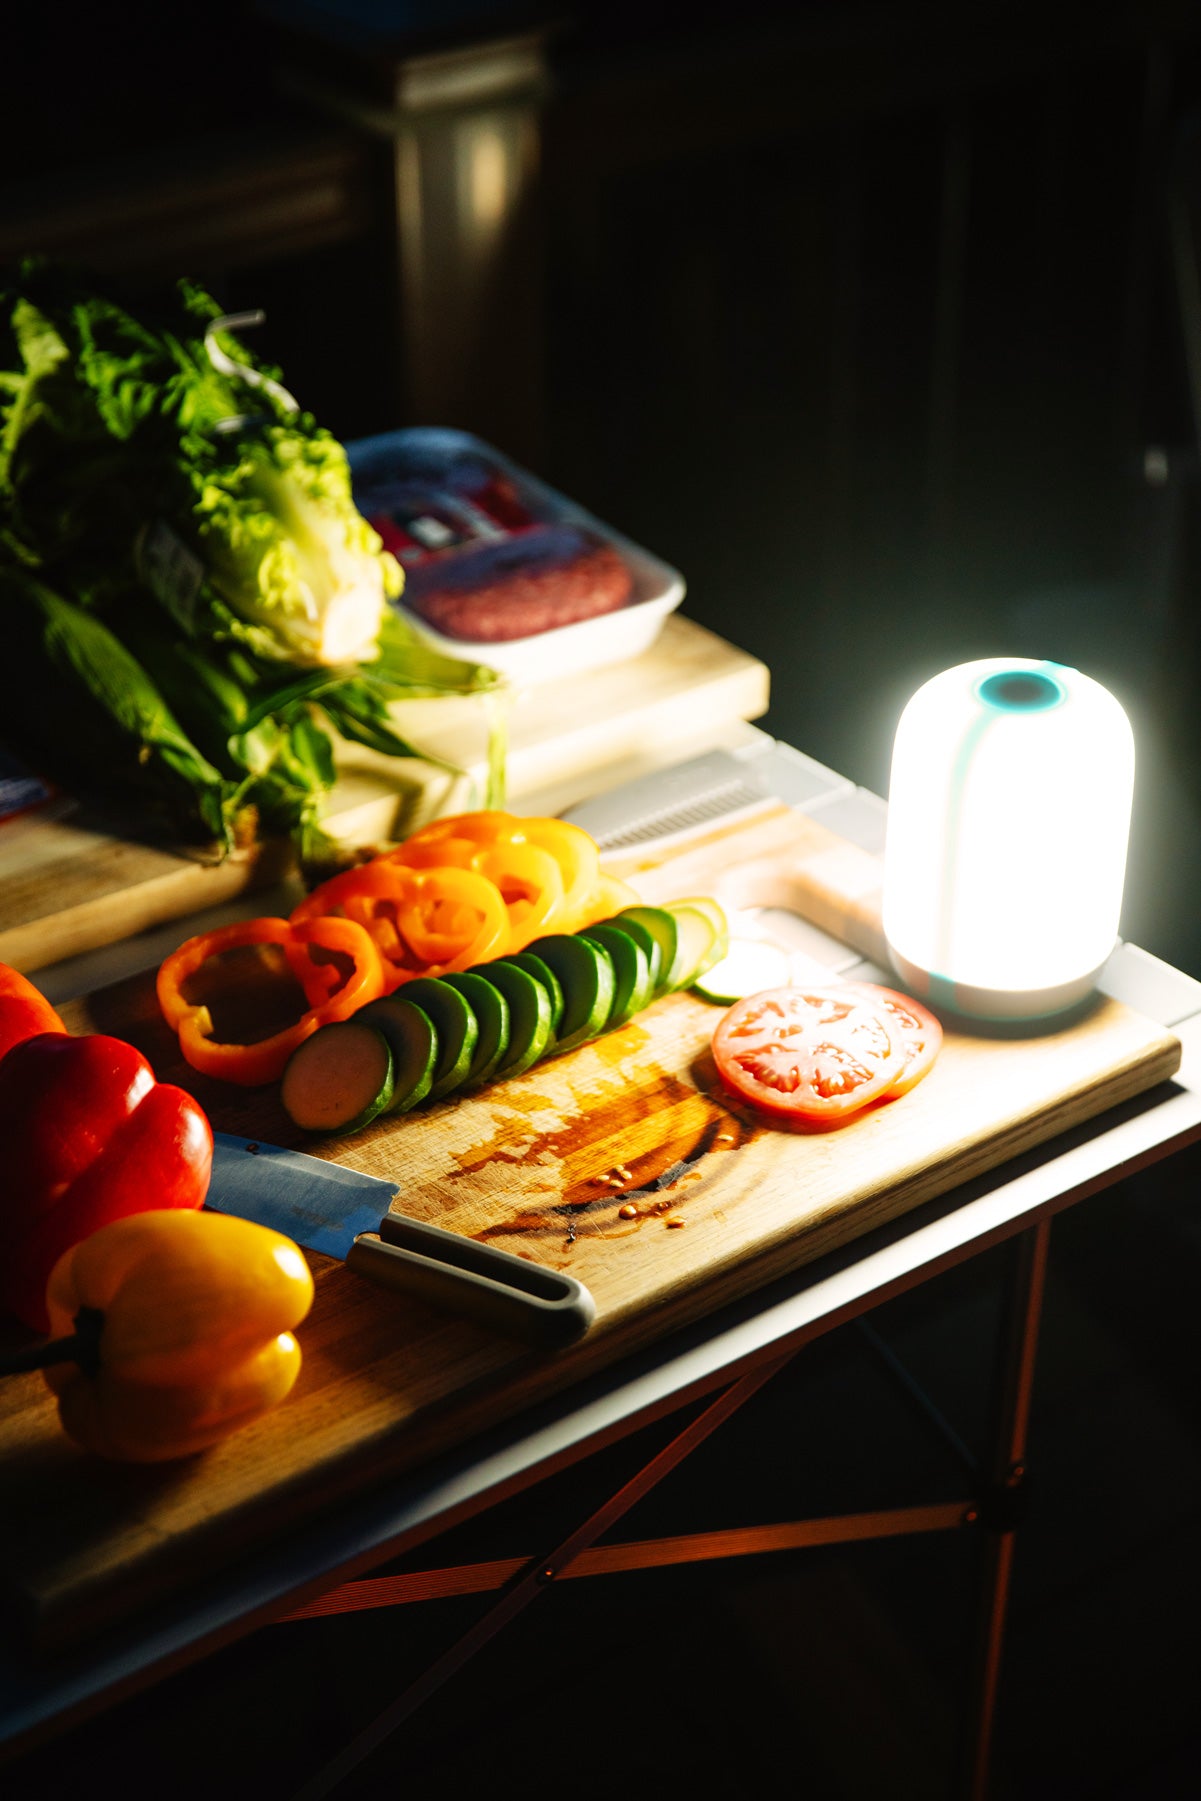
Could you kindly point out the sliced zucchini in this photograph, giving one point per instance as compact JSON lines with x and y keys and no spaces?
{"x":542,"y":972}
{"x":339,"y":1079}
{"x":703,"y":903}
{"x":631,"y":971}
{"x":529,"y":1015}
{"x":748,"y":967}
{"x":698,"y":947}
{"x":413,"y":1039}
{"x":663,"y":929}
{"x":585,"y":972}
{"x":491,"y":1011}
{"x":649,"y":943}
{"x":455,"y":1025}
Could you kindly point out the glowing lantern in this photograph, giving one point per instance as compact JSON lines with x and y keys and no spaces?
{"x":1008,"y":819}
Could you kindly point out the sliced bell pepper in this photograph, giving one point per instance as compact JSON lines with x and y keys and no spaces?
{"x":458,"y":836}
{"x":531,"y":886}
{"x":466,"y":838}
{"x":529,"y":879}
{"x":579,"y":861}
{"x":423,"y":921}
{"x":23,"y":1010}
{"x":495,"y":844}
{"x":254,"y":1064}
{"x":90,"y":1136}
{"x":453,"y":917}
{"x":546,"y":872}
{"x":182,"y":1327}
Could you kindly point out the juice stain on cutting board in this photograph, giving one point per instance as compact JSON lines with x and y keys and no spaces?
{"x":624,"y":1152}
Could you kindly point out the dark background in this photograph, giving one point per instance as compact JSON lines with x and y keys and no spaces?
{"x":875,"y":320}
{"x":882,"y":323}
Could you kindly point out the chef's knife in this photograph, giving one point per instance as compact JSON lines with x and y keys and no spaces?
{"x":342,"y":1213}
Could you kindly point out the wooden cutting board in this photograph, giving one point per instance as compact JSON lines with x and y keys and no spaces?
{"x":67,"y":886}
{"x":530,"y":1165}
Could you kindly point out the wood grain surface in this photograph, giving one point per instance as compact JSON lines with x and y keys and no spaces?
{"x":532,"y":1165}
{"x":67,"y":887}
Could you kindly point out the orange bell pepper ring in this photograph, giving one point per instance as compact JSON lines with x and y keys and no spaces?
{"x":453,"y":917}
{"x":467,"y":838}
{"x":579,"y":862}
{"x":254,"y":1064}
{"x":427,"y":906}
{"x":422,"y":921}
{"x":546,"y":869}
{"x":457,"y":838}
{"x":531,"y":886}
{"x":357,"y":894}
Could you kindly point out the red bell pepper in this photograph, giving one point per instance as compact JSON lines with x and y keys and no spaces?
{"x":89,"y":1136}
{"x":23,"y":1011}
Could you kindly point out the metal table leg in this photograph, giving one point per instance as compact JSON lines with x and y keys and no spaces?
{"x":1001,"y":1504}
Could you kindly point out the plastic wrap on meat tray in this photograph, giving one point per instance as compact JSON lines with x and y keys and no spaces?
{"x":500,"y":568}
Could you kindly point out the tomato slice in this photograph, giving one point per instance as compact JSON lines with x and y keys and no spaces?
{"x":808,"y":1056}
{"x":920,"y":1032}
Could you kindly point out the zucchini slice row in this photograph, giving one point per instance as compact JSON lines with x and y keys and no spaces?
{"x":443,"y":1035}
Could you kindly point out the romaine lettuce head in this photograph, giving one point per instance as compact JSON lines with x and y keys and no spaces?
{"x":193,"y":603}
{"x":115,"y":428}
{"x":303,"y":575}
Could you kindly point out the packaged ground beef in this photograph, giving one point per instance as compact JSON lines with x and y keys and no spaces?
{"x":500,"y":568}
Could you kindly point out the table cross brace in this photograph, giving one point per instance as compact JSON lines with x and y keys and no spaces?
{"x":997,"y":1510}
{"x":538,"y":1576}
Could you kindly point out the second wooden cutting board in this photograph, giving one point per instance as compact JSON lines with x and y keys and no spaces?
{"x":65,"y":889}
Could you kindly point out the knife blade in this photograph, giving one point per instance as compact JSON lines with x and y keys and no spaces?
{"x":345,"y":1214}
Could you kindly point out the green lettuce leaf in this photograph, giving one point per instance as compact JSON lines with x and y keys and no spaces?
{"x":182,"y":547}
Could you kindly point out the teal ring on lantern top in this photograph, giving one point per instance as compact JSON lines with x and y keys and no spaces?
{"x":1021,"y":690}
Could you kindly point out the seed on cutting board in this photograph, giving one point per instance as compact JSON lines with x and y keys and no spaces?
{"x":629,"y":1211}
{"x":673,"y":1219}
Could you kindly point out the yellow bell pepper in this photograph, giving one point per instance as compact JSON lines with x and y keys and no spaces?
{"x":181,"y":1325}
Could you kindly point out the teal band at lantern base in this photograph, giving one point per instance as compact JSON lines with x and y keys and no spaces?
{"x":970,"y":1002}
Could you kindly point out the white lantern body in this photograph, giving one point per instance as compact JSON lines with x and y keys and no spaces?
{"x":1008,"y":820}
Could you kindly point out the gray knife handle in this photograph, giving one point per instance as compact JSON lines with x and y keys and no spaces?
{"x":516,"y":1298}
